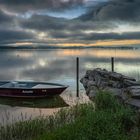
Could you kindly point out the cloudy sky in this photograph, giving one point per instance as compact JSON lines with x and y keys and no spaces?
{"x":69,"y":22}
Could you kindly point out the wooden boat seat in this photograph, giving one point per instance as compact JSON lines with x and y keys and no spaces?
{"x":44,"y":86}
{"x":7,"y":85}
{"x":13,"y":85}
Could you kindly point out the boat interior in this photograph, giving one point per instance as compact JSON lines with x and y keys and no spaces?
{"x":33,"y":85}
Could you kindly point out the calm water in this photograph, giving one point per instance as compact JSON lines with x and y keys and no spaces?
{"x":60,"y":66}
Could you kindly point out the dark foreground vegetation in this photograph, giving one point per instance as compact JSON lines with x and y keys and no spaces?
{"x":107,"y":119}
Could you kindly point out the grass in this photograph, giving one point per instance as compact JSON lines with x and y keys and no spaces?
{"x":51,"y":102}
{"x":33,"y":128}
{"x":107,"y":120}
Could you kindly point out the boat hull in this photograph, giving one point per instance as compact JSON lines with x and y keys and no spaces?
{"x":32,"y":92}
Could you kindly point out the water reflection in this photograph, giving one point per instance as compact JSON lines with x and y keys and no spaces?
{"x":12,"y":114}
{"x":59,"y":65}
{"x":50,"y":102}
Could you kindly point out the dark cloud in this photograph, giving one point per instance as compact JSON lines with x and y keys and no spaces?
{"x":94,"y":36}
{"x":47,"y":23}
{"x":14,"y":36}
{"x":25,"y":5}
{"x":4,"y":18}
{"x":43,"y":22}
{"x":9,"y":31}
{"x":102,"y":17}
{"x":75,"y":29}
{"x":114,"y":36}
{"x":122,"y":10}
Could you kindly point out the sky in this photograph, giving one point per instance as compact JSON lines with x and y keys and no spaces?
{"x":69,"y":22}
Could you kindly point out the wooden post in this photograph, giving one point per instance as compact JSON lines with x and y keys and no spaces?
{"x":77,"y":76}
{"x":112,"y":64}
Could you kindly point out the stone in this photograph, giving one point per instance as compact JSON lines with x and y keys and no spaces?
{"x":124,"y":87}
{"x":115,"y":91}
{"x":91,"y":83}
{"x":84,"y":81}
{"x":116,"y":83}
{"x":133,"y":91}
{"x":92,"y":91}
{"x":133,"y":102}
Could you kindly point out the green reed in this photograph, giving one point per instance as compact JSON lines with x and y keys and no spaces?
{"x":107,"y":120}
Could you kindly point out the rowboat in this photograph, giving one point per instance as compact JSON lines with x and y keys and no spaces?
{"x":21,"y":89}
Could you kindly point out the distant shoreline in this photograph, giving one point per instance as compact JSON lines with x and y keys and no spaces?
{"x":63,"y":48}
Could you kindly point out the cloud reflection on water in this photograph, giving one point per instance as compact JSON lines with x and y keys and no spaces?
{"x":53,"y":65}
{"x":59,"y":66}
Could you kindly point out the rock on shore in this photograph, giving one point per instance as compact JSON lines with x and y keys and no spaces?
{"x":118,"y":84}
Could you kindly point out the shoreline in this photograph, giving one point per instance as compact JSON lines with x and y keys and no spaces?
{"x":11,"y":115}
{"x":81,"y":120}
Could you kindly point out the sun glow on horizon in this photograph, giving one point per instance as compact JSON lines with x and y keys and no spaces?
{"x":107,"y":43}
{"x":101,"y":43}
{"x":22,"y":43}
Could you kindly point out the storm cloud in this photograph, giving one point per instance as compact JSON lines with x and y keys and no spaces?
{"x":96,"y":36}
{"x":14,"y":36}
{"x":121,"y":10}
{"x":4,"y":18}
{"x":43,"y":22}
{"x":25,"y":5}
{"x":115,"y":36}
{"x":22,"y":21}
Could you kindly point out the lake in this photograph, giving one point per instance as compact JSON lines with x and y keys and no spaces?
{"x":60,"y":66}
